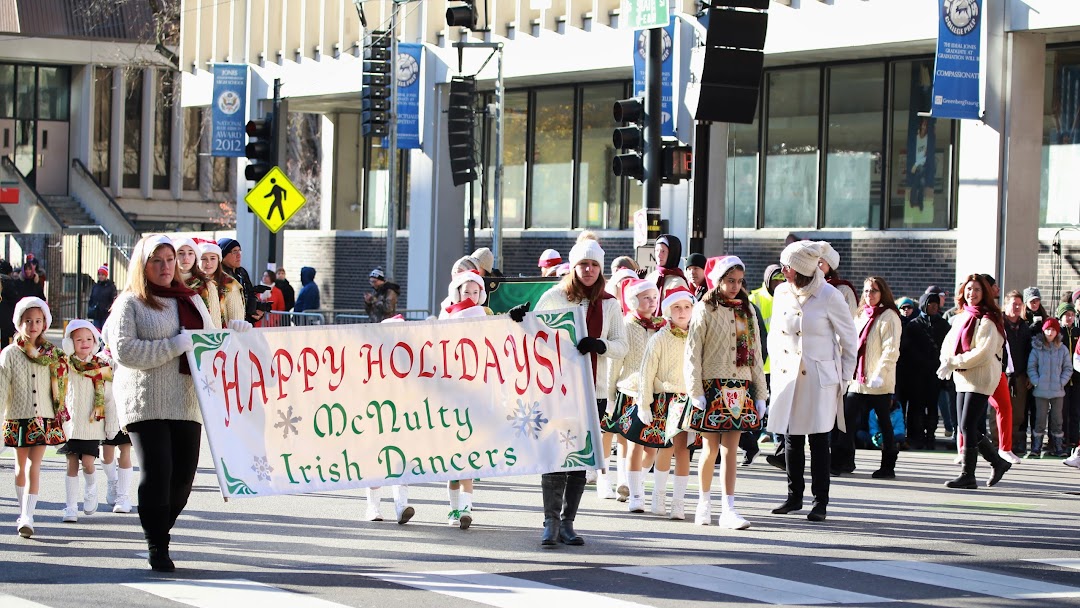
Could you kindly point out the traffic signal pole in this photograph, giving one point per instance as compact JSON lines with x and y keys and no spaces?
{"x":653,"y":118}
{"x":392,"y":168}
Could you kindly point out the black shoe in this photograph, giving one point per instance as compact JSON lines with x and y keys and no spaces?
{"x":748,"y":458}
{"x":963,"y":482}
{"x":777,"y":461}
{"x":817,"y":513}
{"x":884,"y":474}
{"x":835,"y":471}
{"x":551,"y":533}
{"x":567,"y":536}
{"x":160,"y":560}
{"x":788,"y":506}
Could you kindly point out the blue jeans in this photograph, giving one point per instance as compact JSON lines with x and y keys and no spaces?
{"x":946,"y":407}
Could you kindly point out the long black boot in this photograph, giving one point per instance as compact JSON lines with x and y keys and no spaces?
{"x":159,"y":553}
{"x":553,"y":486}
{"x":575,"y":487}
{"x":966,"y":480}
{"x":989,"y":453}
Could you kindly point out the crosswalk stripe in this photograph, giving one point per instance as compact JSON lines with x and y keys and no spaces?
{"x":748,"y":585}
{"x":229,"y":593}
{"x":1064,"y":562}
{"x":961,"y":579}
{"x":500,"y":591}
{"x":11,"y":601}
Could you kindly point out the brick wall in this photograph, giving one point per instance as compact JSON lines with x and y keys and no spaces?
{"x":342,"y":264}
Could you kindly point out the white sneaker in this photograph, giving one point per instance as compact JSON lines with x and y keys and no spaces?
{"x":677,"y":510}
{"x":90,"y":498}
{"x":590,"y":476}
{"x":110,"y":493}
{"x":1009,"y":456}
{"x":657,"y":506}
{"x":732,"y":521}
{"x":1074,"y":460}
{"x":123,"y":504}
{"x":703,"y":517}
{"x":372,"y":513}
{"x":26,"y":526}
{"x":453,"y":519}
{"x":71,"y":515}
{"x":636,"y":504}
{"x":603,"y":489}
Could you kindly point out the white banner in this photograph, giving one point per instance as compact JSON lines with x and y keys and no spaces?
{"x":309,"y":409}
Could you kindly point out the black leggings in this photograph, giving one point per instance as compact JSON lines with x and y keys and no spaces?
{"x":168,"y":452}
{"x":971,"y":412}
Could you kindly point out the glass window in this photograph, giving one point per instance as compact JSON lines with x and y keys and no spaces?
{"x":635,"y":194}
{"x":25,"y":91}
{"x":1058,"y":203}
{"x":133,"y":101}
{"x":791,"y":162}
{"x":742,"y":175}
{"x":598,"y":188}
{"x":853,"y":164}
{"x":192,"y":131}
{"x":921,"y":163}
{"x":7,"y":91}
{"x":376,"y":183}
{"x":163,"y":131}
{"x":54,"y":93}
{"x":219,"y":173}
{"x":515,"y":135}
{"x":101,"y":153}
{"x":553,"y":159}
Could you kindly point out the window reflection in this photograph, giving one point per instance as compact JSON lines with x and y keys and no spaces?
{"x":853,"y":166}
{"x":1058,"y":202}
{"x":553,"y":159}
{"x":598,"y":188}
{"x":791,"y":164}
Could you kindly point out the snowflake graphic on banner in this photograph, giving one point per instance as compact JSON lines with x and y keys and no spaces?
{"x":568,"y":439}
{"x":287,"y":423}
{"x":208,"y":384}
{"x":528,"y":419}
{"x":262,"y":468}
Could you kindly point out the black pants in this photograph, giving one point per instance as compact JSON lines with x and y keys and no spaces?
{"x":168,"y":452}
{"x":921,"y":414}
{"x":1071,"y":413}
{"x":971,"y":412}
{"x":794,"y":445}
{"x":857,"y":416}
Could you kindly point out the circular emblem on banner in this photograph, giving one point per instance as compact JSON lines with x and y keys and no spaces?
{"x":229,"y":102}
{"x":961,"y":16}
{"x":643,"y":44}
{"x":408,"y":70}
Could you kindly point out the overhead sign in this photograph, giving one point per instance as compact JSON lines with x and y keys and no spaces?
{"x":957,"y":83}
{"x":275,"y":199}
{"x":408,"y":96}
{"x":228,"y":110}
{"x":641,"y":50}
{"x":645,"y":14}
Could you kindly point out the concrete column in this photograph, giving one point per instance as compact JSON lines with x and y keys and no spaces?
{"x":83,"y":113}
{"x":116,"y":139}
{"x":176,"y":144}
{"x":146,"y":142}
{"x":326,"y":176}
{"x":714,"y":228}
{"x":346,"y":211}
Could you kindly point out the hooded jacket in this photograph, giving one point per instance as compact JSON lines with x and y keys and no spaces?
{"x":308,"y":298}
{"x":1049,"y":367}
{"x":383,"y":304}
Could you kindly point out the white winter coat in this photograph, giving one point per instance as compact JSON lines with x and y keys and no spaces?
{"x":812,"y":346}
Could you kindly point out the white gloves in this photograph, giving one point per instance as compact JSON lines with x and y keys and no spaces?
{"x":239,"y":325}
{"x":699,"y":403}
{"x":875,"y":382}
{"x":945,"y":370}
{"x":644,"y":414}
{"x":183,"y":343}
{"x":609,"y":409}
{"x":759,"y":405}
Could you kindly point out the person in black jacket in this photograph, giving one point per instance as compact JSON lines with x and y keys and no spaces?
{"x":9,"y":295}
{"x":102,"y":295}
{"x":230,"y":262}
{"x":1018,"y":342}
{"x":29,"y":283}
{"x":286,"y":289}
{"x":917,"y":383}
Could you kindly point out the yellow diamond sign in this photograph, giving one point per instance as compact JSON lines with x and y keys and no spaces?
{"x":275,"y":199}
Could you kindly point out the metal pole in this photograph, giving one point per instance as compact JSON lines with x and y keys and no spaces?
{"x":500,"y":93}
{"x":392,"y":168}
{"x":699,"y":217}
{"x":280,"y":124}
{"x":653,"y":118}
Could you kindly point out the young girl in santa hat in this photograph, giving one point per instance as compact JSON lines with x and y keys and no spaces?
{"x":624,"y":382}
{"x":663,"y":385}
{"x":188,"y":253}
{"x":93,"y":414}
{"x":619,"y":279}
{"x":229,"y":303}
{"x":33,"y":382}
{"x":466,"y":297}
{"x":725,"y":381}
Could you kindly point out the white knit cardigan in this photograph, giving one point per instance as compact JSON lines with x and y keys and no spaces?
{"x":25,"y":386}
{"x":711,"y":346}
{"x":882,"y":353}
{"x":625,"y":374}
{"x":662,"y":366}
{"x":80,"y":404}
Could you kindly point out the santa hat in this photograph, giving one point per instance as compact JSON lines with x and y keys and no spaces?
{"x":180,"y":241}
{"x":149,"y":244}
{"x":562,"y":269}
{"x":717,"y":267}
{"x":829,"y":254}
{"x":802,"y":257}
{"x":208,"y":247}
{"x":104,"y":268}
{"x":69,"y":345}
{"x":676,"y":294}
{"x":394,"y":319}
{"x":26,"y":304}
{"x":462,"y":278}
{"x":464,"y":309}
{"x":549,"y":258}
{"x":586,"y":249}
{"x":635,"y":288}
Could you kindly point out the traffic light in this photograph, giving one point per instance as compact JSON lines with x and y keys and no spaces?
{"x":463,"y":15}
{"x":375,"y":98}
{"x":460,"y":129}
{"x":629,"y":138}
{"x":677,"y":162}
{"x":260,"y":148}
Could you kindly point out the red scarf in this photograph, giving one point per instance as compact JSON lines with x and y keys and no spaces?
{"x":744,"y":330}
{"x":190,"y":318}
{"x":966,"y":335}
{"x":874,"y":312}
{"x":462,"y":305}
{"x":594,"y":322}
{"x":651,"y":323}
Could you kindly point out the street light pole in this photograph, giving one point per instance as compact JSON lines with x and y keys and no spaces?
{"x":391,"y":166}
{"x":500,"y":93}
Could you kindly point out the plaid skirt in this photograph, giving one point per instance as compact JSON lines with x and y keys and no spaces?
{"x":653,"y":435}
{"x":29,"y":432}
{"x":728,"y":407}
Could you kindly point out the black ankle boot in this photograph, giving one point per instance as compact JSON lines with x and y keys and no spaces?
{"x":966,"y":480}
{"x":575,"y":487}
{"x":159,"y":555}
{"x":553,"y":486}
{"x":791,"y":504}
{"x":989,"y":453}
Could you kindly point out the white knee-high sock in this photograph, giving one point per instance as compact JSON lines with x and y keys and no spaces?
{"x":621,"y":471}
{"x":29,"y":504}
{"x":633,"y":479}
{"x":729,"y":503}
{"x":20,"y":491}
{"x":123,"y":482}
{"x":704,"y":495}
{"x":455,"y":498}
{"x":678,"y":490}
{"x":110,"y":470}
{"x":71,"y":491}
{"x":660,"y":482}
{"x":466,"y":500}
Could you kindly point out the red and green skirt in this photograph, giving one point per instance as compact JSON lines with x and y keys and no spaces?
{"x":653,"y":435}
{"x":29,"y":432}
{"x":728,"y":407}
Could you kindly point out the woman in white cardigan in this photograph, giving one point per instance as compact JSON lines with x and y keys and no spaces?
{"x":878,"y":326}
{"x":812,"y":346}
{"x":606,"y":340}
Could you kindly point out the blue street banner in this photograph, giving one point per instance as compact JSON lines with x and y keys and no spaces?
{"x":956,"y":66}
{"x":641,"y":49}
{"x":228,"y":110}
{"x":408,"y":102}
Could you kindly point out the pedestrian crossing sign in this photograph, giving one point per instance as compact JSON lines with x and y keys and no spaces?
{"x":274,"y":199}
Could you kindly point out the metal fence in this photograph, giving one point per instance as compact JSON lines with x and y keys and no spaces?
{"x":332,"y":317}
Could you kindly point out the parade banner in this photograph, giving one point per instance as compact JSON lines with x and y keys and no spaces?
{"x":505,"y":293}
{"x":322,"y":408}
{"x":956,"y":64}
{"x":227,"y":111}
{"x":641,"y":50}
{"x":408,"y":100}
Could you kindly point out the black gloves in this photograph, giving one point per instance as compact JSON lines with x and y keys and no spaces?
{"x":517,"y":313}
{"x":591,"y":345}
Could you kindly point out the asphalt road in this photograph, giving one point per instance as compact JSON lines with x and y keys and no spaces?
{"x":908,"y":542}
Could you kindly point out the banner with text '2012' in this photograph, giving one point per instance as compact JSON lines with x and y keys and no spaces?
{"x":312,"y":409}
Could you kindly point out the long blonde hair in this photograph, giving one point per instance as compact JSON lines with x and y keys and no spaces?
{"x":137,"y":283}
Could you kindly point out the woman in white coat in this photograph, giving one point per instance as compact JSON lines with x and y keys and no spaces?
{"x":812,"y":344}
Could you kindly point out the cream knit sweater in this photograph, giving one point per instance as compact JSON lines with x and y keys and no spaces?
{"x":613,"y":333}
{"x":147,"y":382}
{"x":979,"y":369}
{"x":882,"y":352}
{"x":710,"y":351}
{"x":625,"y":374}
{"x":234,"y":304}
{"x":25,"y":386}
{"x":662,"y":366}
{"x":213,"y":304}
{"x":80,"y":404}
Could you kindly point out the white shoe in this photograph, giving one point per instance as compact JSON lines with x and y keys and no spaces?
{"x":677,"y":511}
{"x":657,"y":506}
{"x":636,"y":504}
{"x":703,"y":517}
{"x":372,"y":513}
{"x":453,"y":519}
{"x":1074,"y":460}
{"x":590,"y":476}
{"x":26,"y":526}
{"x":1009,"y":456}
{"x":90,"y":498}
{"x":110,"y":493}
{"x":123,"y":504}
{"x":603,"y":489}
{"x":958,"y":460}
{"x":71,"y":515}
{"x":732,"y":521}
